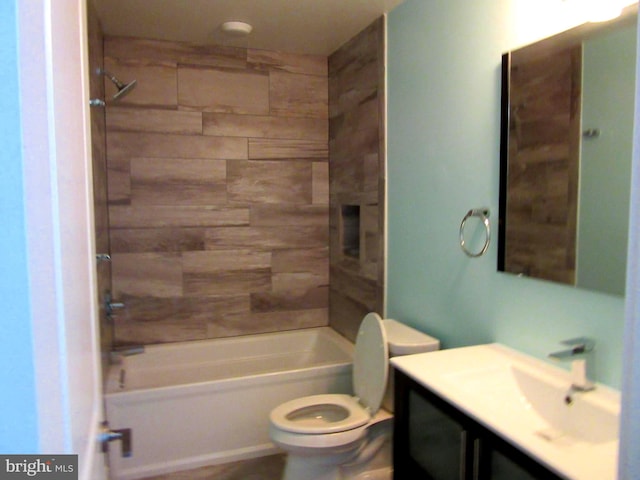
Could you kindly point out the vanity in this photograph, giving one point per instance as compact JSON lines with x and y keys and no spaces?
{"x":489,"y":412}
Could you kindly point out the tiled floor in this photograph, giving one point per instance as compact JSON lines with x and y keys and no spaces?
{"x":264,"y":468}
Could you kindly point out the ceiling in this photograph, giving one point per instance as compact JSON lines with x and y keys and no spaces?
{"x":300,"y":26}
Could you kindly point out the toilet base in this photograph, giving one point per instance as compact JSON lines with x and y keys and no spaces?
{"x":378,"y":474}
{"x":377,"y":467}
{"x":380,"y":467}
{"x":302,"y":468}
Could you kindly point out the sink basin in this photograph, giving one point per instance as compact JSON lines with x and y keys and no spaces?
{"x":529,"y":403}
{"x":574,"y":416}
{"x":556,"y":414}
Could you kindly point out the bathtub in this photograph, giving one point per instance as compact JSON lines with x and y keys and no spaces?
{"x":200,"y":403}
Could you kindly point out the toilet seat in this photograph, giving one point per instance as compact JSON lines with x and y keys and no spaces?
{"x":329,"y":415}
{"x":320,"y":414}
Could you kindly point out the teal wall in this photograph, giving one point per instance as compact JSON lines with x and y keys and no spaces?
{"x":443,"y":159}
{"x":608,"y":92}
{"x":18,"y":413}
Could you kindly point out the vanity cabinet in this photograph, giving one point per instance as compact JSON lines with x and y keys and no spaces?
{"x":434,"y":440}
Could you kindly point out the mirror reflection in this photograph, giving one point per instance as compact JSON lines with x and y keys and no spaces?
{"x":566,"y":146}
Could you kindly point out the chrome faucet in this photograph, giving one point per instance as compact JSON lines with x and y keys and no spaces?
{"x":577,"y":354}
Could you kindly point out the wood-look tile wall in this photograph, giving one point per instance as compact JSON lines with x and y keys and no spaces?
{"x":357,"y":177}
{"x":218,"y":191}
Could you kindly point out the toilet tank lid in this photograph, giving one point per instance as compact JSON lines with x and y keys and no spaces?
{"x":405,"y":340}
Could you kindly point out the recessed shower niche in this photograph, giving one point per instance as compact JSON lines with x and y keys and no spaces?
{"x":350,"y":234}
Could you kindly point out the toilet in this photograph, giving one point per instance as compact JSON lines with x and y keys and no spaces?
{"x":338,"y":436}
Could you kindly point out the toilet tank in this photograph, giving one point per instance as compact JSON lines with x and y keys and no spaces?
{"x":404,"y":340}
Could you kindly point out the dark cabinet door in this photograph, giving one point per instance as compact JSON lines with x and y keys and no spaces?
{"x":435,"y":441}
{"x":431,"y":439}
{"x":500,"y":460}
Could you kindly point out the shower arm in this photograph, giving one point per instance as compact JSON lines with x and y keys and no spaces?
{"x":123,"y":88}
{"x":111,"y":77}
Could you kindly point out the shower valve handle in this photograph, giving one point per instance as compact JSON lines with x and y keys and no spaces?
{"x":110,"y":306}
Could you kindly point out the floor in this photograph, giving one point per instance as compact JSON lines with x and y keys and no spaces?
{"x":263,"y":468}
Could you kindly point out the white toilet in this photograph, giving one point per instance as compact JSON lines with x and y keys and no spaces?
{"x":334,"y":436}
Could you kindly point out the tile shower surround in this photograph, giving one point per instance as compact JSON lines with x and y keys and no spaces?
{"x":358,"y":178}
{"x":218,"y":191}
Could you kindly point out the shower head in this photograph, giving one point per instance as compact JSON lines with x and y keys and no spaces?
{"x":123,"y":88}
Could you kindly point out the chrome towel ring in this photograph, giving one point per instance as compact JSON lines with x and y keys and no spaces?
{"x":483,"y":215}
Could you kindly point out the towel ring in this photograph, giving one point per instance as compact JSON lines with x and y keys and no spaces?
{"x":483,"y":215}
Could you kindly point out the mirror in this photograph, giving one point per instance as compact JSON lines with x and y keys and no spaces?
{"x":565,"y":156}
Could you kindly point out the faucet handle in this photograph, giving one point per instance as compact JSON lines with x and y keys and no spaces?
{"x":580,"y":344}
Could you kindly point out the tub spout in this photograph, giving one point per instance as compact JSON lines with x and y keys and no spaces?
{"x":129,"y":350}
{"x":118,"y":353}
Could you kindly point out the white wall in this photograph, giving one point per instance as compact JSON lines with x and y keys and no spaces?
{"x":630,"y":421}
{"x":52,"y":289}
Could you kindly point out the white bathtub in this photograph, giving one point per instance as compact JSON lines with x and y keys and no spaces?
{"x":200,"y":403}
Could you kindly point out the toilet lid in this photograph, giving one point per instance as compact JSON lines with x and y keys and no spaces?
{"x":371,"y":363}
